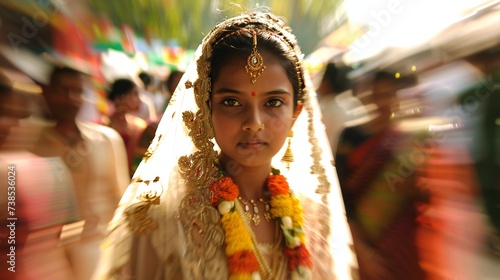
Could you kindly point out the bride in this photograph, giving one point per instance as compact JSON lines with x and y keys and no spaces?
{"x":238,"y":182}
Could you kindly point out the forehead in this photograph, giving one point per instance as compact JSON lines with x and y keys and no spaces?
{"x":232,"y":72}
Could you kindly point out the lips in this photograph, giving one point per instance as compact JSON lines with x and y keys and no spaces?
{"x":252,"y":145}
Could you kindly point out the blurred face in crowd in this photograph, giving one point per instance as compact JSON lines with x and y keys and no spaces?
{"x":64,"y":96}
{"x":129,"y":102}
{"x":13,"y":106}
{"x":384,"y":96}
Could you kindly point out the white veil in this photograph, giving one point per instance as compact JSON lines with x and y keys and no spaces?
{"x":165,"y":226}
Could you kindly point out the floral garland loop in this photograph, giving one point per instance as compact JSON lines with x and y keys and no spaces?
{"x":243,"y":263}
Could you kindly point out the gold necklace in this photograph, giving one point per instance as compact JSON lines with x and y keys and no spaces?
{"x":254,"y":215}
{"x":278,"y":268}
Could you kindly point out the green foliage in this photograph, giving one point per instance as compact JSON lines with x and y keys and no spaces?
{"x":187,"y":21}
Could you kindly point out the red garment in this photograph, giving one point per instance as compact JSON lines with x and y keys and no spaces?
{"x":383,"y":216}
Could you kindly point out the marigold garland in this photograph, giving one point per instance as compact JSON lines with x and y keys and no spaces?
{"x":223,"y":189}
{"x":240,"y":253}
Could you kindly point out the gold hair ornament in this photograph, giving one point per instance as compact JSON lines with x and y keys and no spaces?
{"x":255,"y":63}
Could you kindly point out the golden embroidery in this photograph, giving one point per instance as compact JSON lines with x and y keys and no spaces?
{"x":137,"y":214}
{"x":204,"y":236}
{"x":152,"y":147}
{"x":323,"y":184}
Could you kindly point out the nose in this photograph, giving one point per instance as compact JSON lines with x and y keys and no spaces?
{"x":254,"y":121}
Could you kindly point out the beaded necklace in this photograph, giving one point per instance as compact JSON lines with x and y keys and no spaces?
{"x":244,"y":258}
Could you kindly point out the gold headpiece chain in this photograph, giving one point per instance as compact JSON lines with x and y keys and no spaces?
{"x":255,"y":63}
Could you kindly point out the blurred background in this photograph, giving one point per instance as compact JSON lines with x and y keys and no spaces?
{"x":443,"y":57}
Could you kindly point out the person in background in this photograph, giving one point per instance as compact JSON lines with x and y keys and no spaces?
{"x":37,"y":199}
{"x":484,"y":124}
{"x":147,"y":107}
{"x":150,"y":131}
{"x":96,"y":158}
{"x":381,"y":202}
{"x":339,"y":107}
{"x":172,"y":81}
{"x":124,"y":94}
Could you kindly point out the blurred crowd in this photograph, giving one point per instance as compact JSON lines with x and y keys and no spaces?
{"x":417,"y":154}
{"x":66,"y":174}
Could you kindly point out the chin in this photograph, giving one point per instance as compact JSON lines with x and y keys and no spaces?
{"x":252,"y":160}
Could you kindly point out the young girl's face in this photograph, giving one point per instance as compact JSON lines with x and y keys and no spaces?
{"x":251,"y":120}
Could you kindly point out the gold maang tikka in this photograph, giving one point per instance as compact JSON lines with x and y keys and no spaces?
{"x":255,"y":63}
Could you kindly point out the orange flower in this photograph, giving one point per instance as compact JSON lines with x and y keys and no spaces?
{"x":243,"y":262}
{"x":277,"y":185}
{"x":303,"y":256}
{"x":223,"y":188}
{"x":298,"y":256}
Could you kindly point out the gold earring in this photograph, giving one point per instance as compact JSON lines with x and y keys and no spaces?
{"x":288,"y":156}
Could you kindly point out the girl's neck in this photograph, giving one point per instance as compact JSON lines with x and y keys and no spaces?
{"x":251,"y":181}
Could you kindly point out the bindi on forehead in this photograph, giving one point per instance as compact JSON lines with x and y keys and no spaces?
{"x":253,"y":93}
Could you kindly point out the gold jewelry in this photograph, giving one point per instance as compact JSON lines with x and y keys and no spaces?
{"x":254,"y":215}
{"x":288,"y":156}
{"x":277,"y":269}
{"x":273,"y":30}
{"x":255,"y":63}
{"x":267,"y":214}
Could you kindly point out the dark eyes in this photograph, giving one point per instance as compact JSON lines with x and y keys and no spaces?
{"x":274,"y":103}
{"x":230,"y":102}
{"x":270,"y":103}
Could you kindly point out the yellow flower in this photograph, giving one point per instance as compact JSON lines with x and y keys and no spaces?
{"x":301,"y":236}
{"x":281,"y":205}
{"x":234,"y":246}
{"x":298,"y":217}
{"x":241,"y":277}
{"x":237,"y":237}
{"x":230,"y":221}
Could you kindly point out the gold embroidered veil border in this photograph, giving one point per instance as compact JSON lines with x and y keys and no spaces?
{"x":167,"y":201}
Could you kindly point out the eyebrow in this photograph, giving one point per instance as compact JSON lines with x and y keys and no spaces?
{"x":230,"y":90}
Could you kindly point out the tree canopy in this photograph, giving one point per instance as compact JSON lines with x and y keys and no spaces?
{"x":187,"y":21}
